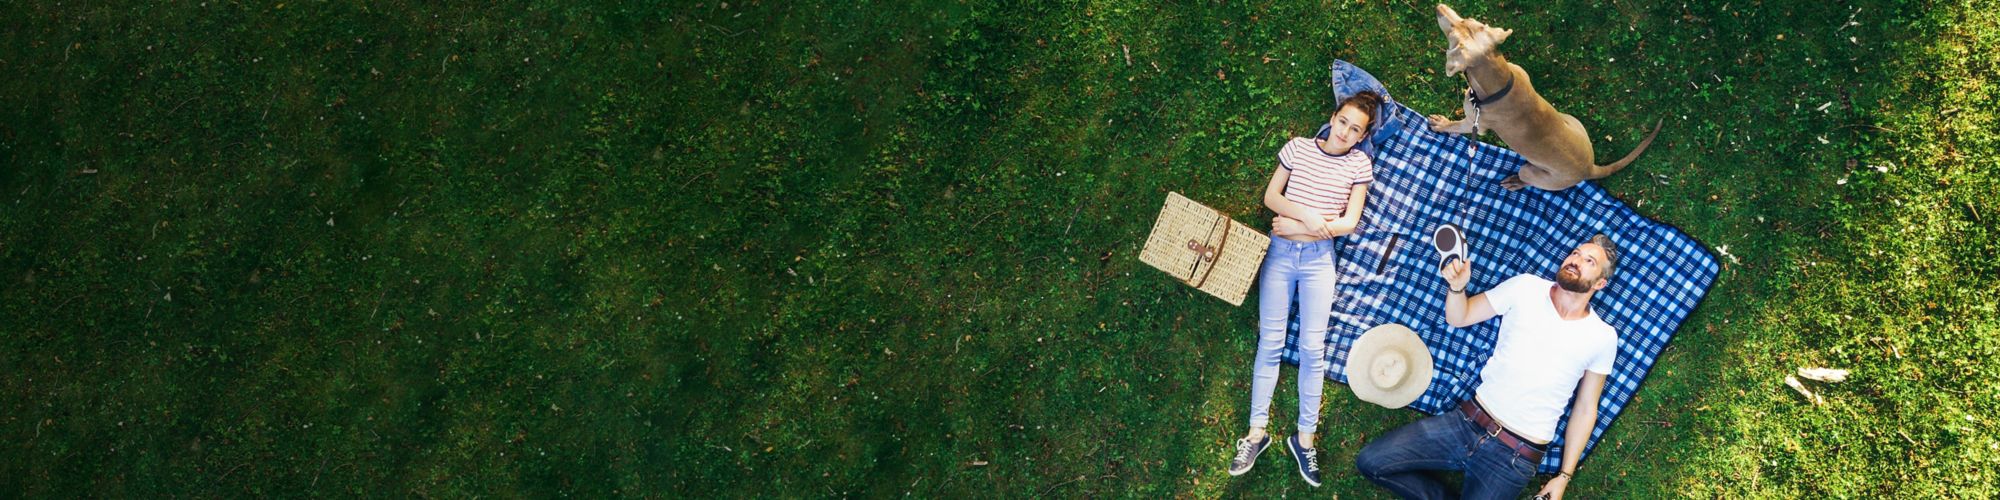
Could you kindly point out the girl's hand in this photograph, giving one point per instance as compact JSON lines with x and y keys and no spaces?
{"x":1335,"y":230}
{"x":1287,"y":226}
{"x":1318,"y":228}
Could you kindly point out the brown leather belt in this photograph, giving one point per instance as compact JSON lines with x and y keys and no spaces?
{"x":1528,"y":449}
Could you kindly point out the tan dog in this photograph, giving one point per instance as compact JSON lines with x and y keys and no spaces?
{"x":1503,"y":100}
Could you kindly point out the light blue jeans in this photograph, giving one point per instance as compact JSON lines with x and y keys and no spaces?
{"x":1306,"y":268}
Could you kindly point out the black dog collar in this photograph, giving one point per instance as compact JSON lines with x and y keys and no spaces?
{"x":1483,"y":101}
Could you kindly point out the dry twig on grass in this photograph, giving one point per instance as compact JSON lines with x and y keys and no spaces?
{"x":1793,"y":382}
{"x":1823,"y":374}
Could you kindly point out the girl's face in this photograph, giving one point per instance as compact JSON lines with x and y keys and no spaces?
{"x":1350,"y":125}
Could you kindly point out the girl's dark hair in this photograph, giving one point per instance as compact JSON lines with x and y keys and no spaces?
{"x":1368,"y":100}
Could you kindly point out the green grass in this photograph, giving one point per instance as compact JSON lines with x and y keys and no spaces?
{"x":830,"y":249}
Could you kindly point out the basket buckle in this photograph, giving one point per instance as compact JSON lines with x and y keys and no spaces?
{"x":1206,"y":252}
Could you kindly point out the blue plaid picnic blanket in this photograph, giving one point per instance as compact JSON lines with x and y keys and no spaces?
{"x":1389,"y":268}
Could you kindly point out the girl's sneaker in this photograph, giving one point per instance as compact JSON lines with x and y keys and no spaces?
{"x":1308,"y":459}
{"x":1246,"y":454}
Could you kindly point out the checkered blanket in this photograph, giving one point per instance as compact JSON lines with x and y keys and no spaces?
{"x":1389,"y":269}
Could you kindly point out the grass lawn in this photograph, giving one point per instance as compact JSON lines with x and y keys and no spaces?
{"x":757,"y":248}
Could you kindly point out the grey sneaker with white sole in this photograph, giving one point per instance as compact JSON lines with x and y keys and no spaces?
{"x":1246,"y":454}
{"x":1308,"y":460}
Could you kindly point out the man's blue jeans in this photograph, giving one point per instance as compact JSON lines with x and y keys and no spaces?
{"x":1404,"y":460}
{"x":1306,"y":268}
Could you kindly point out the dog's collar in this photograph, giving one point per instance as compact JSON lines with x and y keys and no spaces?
{"x":1478,"y":101}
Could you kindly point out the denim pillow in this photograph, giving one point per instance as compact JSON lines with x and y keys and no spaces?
{"x":1347,"y":80}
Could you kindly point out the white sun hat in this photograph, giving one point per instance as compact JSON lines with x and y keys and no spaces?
{"x":1389,"y":366}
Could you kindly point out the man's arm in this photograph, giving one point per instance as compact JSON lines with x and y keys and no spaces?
{"x":1582,"y":419}
{"x":1459,"y":310}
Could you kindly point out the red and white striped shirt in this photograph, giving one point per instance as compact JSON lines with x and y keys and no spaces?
{"x":1321,"y":181}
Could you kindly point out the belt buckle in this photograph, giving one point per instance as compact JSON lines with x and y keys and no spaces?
{"x":1497,"y":429}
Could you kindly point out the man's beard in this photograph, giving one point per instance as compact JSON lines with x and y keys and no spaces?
{"x":1570,"y":279}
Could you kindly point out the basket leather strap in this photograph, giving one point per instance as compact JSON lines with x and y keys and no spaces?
{"x":1212,"y":254}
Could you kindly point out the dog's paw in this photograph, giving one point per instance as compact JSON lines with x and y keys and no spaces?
{"x":1513,"y":183}
{"x":1441,"y":124}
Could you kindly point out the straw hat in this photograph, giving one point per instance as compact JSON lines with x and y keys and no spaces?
{"x":1389,"y":366}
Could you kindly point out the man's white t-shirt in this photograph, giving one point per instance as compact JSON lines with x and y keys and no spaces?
{"x":1539,"y":357}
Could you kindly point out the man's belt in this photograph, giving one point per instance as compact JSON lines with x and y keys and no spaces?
{"x":1528,"y":449}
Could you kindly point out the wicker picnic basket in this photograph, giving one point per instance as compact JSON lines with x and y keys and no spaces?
{"x":1205,"y":249}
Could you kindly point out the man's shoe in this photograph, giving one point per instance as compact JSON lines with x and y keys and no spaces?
{"x":1246,"y":454}
{"x":1308,"y":460}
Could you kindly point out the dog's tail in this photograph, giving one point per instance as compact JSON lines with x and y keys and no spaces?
{"x":1602,"y":171}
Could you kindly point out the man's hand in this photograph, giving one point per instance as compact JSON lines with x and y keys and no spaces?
{"x":1456,"y":273}
{"x":1462,"y":309}
{"x":1554,"y":489}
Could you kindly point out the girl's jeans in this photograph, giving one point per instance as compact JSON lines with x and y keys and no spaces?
{"x":1308,"y":269}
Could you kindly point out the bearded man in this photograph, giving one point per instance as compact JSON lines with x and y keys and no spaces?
{"x":1551,"y":347}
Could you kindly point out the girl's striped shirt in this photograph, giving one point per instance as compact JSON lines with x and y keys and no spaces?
{"x":1321,"y":181}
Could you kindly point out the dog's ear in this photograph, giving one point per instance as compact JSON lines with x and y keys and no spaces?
{"x":1454,"y":56}
{"x":1499,"y":35}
